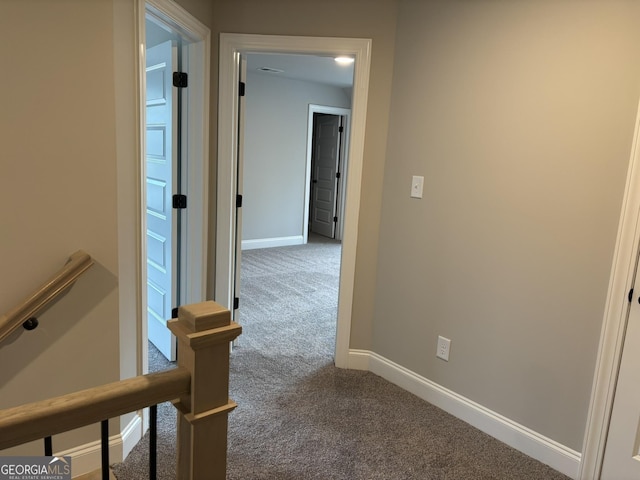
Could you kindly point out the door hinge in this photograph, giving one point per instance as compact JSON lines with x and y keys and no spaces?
{"x":335,"y":219}
{"x":238,"y":201}
{"x":630,"y":296}
{"x":337,"y":174}
{"x":236,"y":303}
{"x":174,"y":312}
{"x":179,"y":201}
{"x":341,"y":129}
{"x":180,"y":79}
{"x":241,"y":89}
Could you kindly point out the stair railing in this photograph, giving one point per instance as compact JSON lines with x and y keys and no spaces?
{"x":26,"y":311}
{"x":198,"y":387}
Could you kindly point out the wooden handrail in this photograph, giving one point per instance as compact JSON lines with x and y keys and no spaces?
{"x":199,"y":387}
{"x":37,"y":420}
{"x":77,"y":264}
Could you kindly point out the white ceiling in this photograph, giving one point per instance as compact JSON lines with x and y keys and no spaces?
{"x":309,"y":68}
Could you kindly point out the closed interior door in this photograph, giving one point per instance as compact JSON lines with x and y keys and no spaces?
{"x":161,"y":113}
{"x":622,"y":451}
{"x":325,"y":161}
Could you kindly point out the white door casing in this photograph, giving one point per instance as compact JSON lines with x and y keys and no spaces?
{"x":612,"y":337}
{"x":129,"y":46}
{"x":327,"y":140}
{"x":161,"y":114}
{"x":197,"y":38}
{"x":622,"y":451}
{"x":231,"y":46}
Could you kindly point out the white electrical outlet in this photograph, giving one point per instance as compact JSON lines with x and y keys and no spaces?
{"x":444,"y":345}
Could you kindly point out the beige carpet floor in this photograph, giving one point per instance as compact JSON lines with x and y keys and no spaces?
{"x":300,"y":418}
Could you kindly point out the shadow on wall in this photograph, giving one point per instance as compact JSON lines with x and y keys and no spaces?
{"x":68,"y":311}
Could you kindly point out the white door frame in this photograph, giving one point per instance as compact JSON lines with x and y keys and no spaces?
{"x":344,"y":112}
{"x":615,"y":320}
{"x":195,"y":221}
{"x":231,"y":47}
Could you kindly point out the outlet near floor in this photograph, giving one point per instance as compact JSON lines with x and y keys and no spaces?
{"x":444,"y":345}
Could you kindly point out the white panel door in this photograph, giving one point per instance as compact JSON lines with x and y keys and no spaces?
{"x":622,"y":451}
{"x":242,"y":73}
{"x":161,"y":115}
{"x":326,"y":150}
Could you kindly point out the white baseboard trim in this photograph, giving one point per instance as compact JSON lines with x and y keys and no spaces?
{"x":272,"y":242}
{"x":132,"y":434}
{"x":527,"y":441}
{"x":87,"y":458}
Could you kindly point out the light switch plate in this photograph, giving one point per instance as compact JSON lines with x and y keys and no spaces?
{"x":417,"y":184}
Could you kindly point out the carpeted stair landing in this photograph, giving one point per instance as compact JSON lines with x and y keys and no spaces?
{"x":300,"y":418}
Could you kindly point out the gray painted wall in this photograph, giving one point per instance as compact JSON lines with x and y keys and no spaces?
{"x":275,"y":152}
{"x":520,"y":116}
{"x":59,"y":194}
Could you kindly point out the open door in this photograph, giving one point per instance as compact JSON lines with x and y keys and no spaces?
{"x":175,"y":161}
{"x":161,"y":147}
{"x":239,"y":189}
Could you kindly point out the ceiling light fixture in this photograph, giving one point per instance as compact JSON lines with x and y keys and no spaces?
{"x":344,"y":60}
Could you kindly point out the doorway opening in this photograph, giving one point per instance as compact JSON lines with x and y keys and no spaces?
{"x":174,"y":119}
{"x":232,"y":47}
{"x":164,"y":172}
{"x":290,"y":168}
